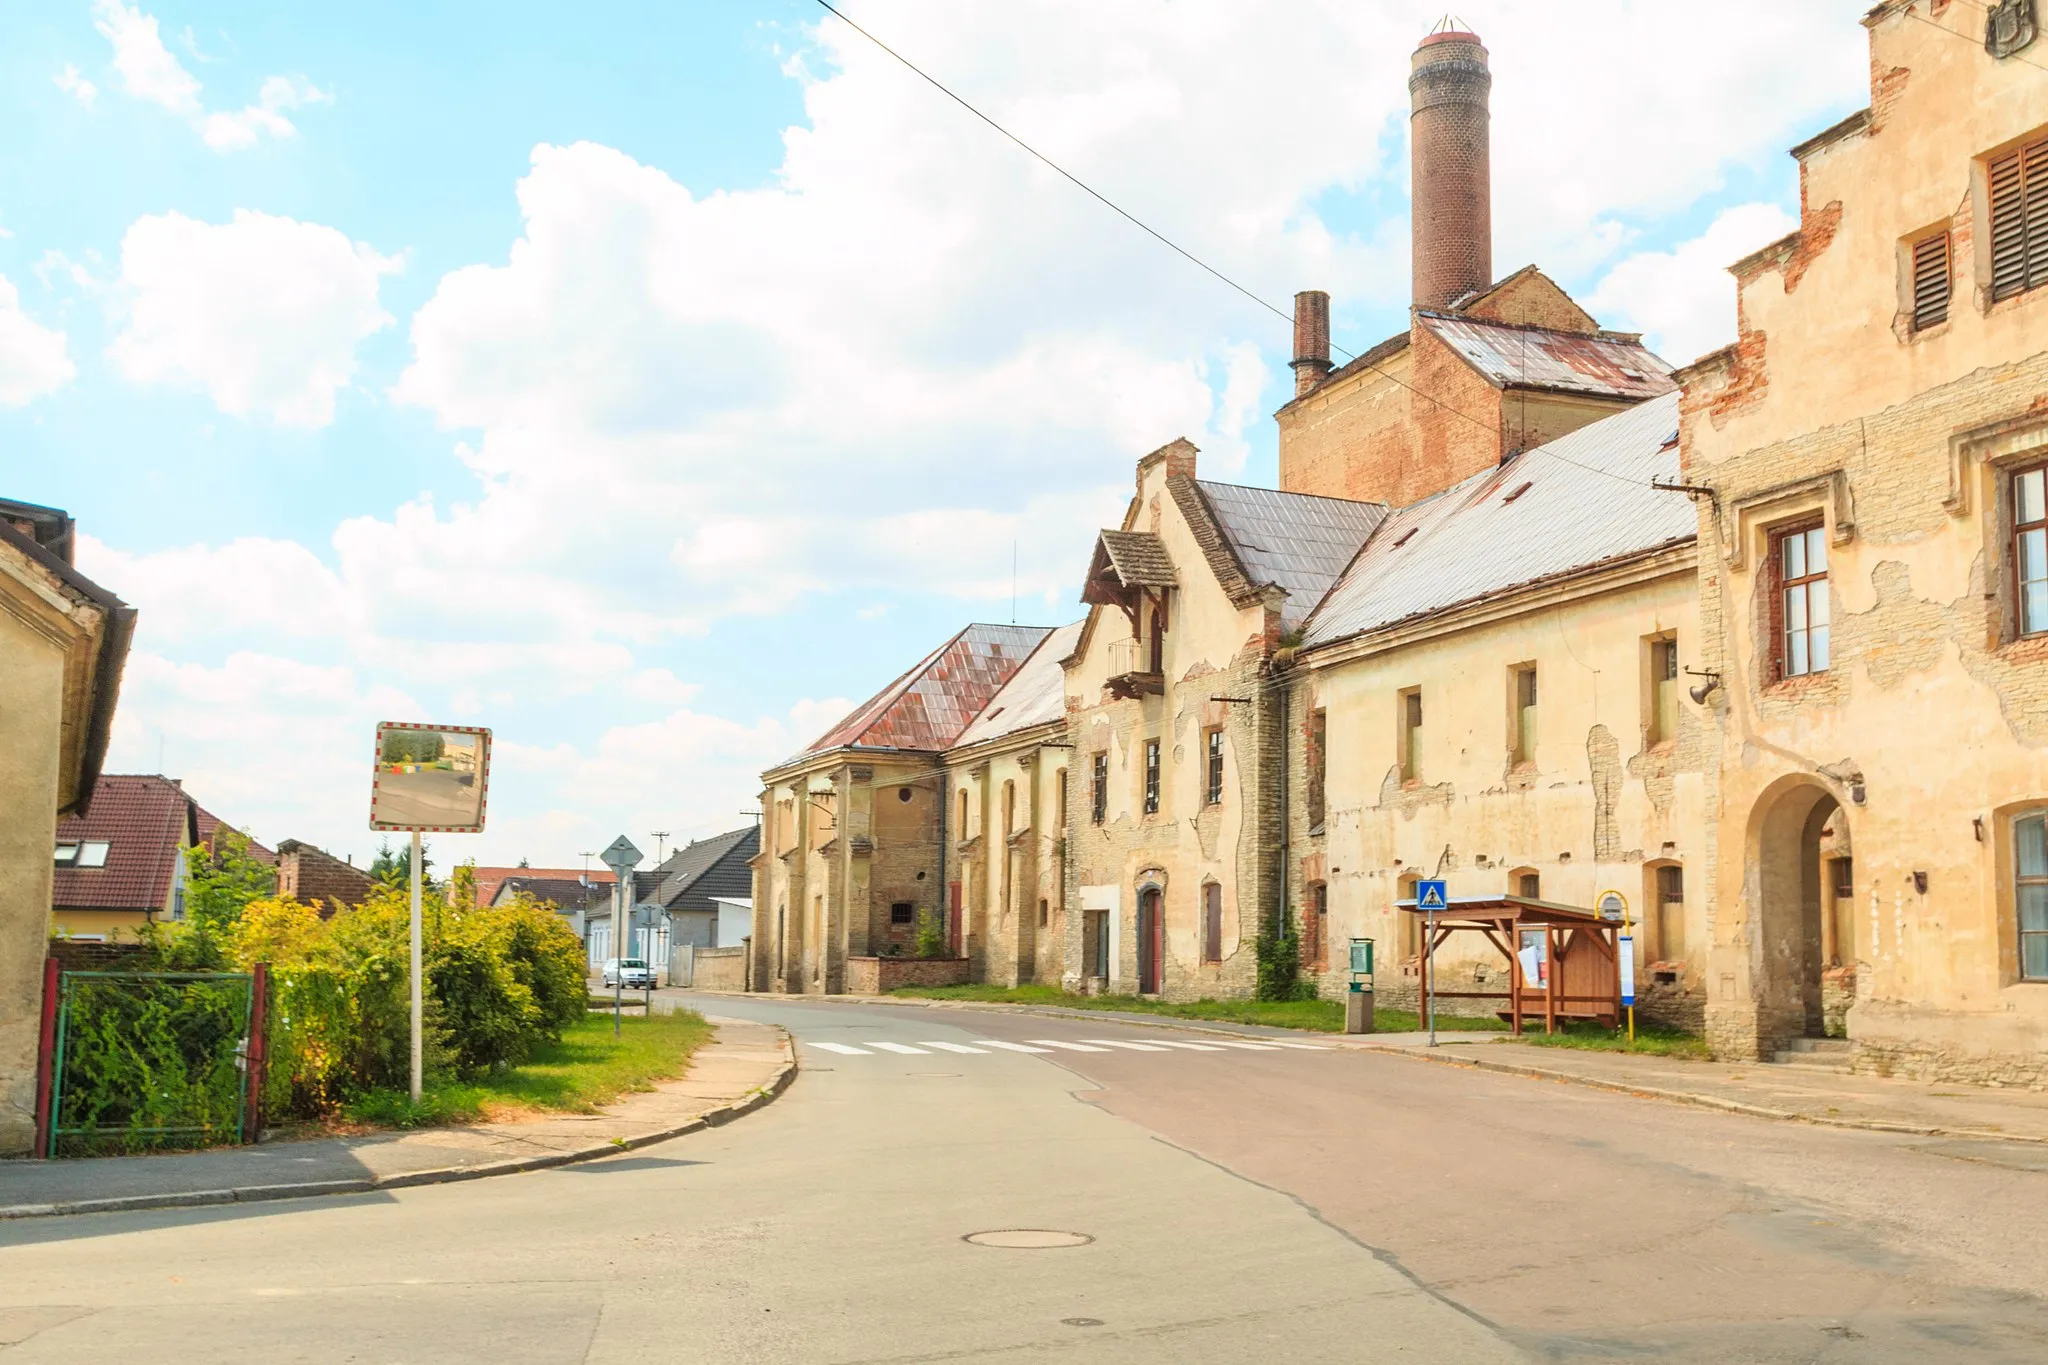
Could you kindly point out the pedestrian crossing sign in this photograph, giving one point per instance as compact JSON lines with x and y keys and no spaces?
{"x":1430,"y":896}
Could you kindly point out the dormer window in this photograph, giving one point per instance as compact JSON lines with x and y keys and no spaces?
{"x":84,"y":853}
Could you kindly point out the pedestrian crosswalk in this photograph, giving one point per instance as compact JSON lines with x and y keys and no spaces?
{"x":981,"y":1047}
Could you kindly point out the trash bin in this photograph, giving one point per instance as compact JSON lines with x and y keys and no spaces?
{"x":1358,"y":1008}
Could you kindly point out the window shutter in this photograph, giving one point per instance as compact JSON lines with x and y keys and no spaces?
{"x":2019,"y":221}
{"x":1930,"y":281}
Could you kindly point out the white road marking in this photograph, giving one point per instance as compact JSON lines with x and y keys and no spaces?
{"x":842,"y":1048}
{"x":903,"y":1048}
{"x":1303,"y":1047}
{"x":951,"y":1047}
{"x":1252,"y":1047}
{"x":1014,"y":1047}
{"x":1135,"y":1047}
{"x":1192,"y":1047}
{"x":1070,"y":1047}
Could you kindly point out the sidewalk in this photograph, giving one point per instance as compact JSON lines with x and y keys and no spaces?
{"x":744,"y":1067}
{"x":1788,"y":1093}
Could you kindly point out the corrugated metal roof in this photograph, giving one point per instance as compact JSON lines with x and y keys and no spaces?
{"x":1535,"y":357}
{"x":1470,"y":541}
{"x":1139,"y":558}
{"x":1036,"y":694}
{"x":929,"y":706}
{"x":1294,"y":541}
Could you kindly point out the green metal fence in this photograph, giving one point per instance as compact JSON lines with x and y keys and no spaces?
{"x":150,"y":1060}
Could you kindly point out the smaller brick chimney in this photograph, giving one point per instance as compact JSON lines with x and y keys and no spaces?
{"x":1311,"y":361}
{"x":1450,"y":165}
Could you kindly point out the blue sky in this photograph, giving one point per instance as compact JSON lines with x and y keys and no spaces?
{"x":647,"y":381}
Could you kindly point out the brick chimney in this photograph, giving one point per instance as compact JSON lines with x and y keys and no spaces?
{"x":1311,"y":361}
{"x":1449,"y":161}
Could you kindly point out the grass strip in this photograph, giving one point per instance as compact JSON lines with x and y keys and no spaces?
{"x":1649,"y":1042}
{"x":585,"y":1071}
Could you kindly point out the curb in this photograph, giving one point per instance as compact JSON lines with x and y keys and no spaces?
{"x":758,"y":1098}
{"x":1700,"y":1101}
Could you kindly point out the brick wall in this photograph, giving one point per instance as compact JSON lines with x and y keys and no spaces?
{"x":880,"y":975}
{"x":721,"y":969}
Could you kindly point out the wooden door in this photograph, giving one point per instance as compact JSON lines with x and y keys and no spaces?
{"x":1151,"y":941}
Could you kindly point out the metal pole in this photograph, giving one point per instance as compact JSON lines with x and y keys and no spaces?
{"x":1429,"y":970}
{"x":417,"y":1049}
{"x":621,"y":944}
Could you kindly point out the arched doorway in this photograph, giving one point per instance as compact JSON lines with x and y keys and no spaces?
{"x":1151,"y":939}
{"x":1791,"y":907}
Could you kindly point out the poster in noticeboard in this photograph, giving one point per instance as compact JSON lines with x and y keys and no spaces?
{"x":1535,"y":959}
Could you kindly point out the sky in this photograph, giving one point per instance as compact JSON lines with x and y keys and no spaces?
{"x":649,"y":382}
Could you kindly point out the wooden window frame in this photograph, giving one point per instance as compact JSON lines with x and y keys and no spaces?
{"x":2016,"y":529}
{"x":1098,"y":783}
{"x":2021,"y":934}
{"x":1523,"y":877}
{"x":1153,"y":763}
{"x":1930,"y":279}
{"x":1781,"y":585}
{"x":1315,"y":927}
{"x":1212,"y":766}
{"x":2016,"y":183}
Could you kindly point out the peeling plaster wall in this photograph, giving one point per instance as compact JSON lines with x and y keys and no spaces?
{"x":1832,"y":407}
{"x":1213,"y":649}
{"x":1597,"y":806}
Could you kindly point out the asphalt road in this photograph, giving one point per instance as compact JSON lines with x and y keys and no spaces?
{"x":1300,"y":1203}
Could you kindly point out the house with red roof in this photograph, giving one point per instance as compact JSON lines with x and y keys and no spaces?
{"x":120,"y":863}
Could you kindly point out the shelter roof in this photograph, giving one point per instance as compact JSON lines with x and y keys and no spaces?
{"x":146,"y":822}
{"x":1292,"y":541}
{"x":1036,"y":693}
{"x":1583,"y":500}
{"x":1601,"y":364}
{"x":1521,"y":909}
{"x":1139,"y":559}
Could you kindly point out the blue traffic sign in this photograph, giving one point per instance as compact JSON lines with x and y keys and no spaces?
{"x":1431,"y":896}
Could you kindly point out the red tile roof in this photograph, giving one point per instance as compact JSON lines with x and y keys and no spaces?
{"x":147,"y":822}
{"x":929,"y":706}
{"x":211,"y":824}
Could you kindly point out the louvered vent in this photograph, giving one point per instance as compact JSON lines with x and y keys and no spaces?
{"x":1931,"y":276}
{"x":2019,"y":221}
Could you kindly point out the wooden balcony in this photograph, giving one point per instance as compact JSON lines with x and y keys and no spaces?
{"x":1131,"y":674}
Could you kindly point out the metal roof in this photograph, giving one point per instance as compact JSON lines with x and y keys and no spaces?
{"x":1588,"y":500}
{"x":1604,"y":364}
{"x":929,"y":706}
{"x":1291,"y":540}
{"x":1035,"y":695}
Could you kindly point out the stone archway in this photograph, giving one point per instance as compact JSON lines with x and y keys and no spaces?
{"x":1788,"y":902}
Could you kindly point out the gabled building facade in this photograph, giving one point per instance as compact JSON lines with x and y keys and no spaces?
{"x":1869,"y":458}
{"x":856,"y":849}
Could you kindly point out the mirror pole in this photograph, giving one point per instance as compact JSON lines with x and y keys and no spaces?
{"x":416,"y":1048}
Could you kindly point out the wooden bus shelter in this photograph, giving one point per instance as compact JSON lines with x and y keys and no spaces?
{"x":1563,"y":960}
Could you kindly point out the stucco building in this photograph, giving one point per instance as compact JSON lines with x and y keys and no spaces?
{"x":1873,"y":582}
{"x":63,"y":643}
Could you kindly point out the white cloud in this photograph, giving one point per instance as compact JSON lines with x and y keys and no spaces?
{"x":146,"y":67}
{"x":262,"y":313}
{"x":1684,"y":299}
{"x":149,"y":71}
{"x":34,"y":360}
{"x":229,"y":132}
{"x":77,"y":86}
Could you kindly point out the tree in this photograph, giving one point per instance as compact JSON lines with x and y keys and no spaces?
{"x":220,"y":881}
{"x":395,"y":868}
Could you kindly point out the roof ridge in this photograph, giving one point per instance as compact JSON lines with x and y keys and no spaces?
{"x":1288,"y":493}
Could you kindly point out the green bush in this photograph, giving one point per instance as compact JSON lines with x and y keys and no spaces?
{"x":1279,"y":950}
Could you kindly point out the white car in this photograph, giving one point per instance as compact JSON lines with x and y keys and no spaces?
{"x":633,"y":973}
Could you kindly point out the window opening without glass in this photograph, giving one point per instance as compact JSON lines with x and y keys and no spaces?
{"x":1411,"y":735}
{"x":1525,"y":715}
{"x":1212,"y":922}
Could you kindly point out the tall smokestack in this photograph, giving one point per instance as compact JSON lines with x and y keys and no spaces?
{"x":1451,"y":168}
{"x":1311,"y":361}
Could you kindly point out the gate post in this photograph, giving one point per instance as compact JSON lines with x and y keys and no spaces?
{"x":46,"y":1056}
{"x":259,"y":1051}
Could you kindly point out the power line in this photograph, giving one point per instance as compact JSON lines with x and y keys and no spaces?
{"x":1161,"y":237}
{"x":1957,"y":33}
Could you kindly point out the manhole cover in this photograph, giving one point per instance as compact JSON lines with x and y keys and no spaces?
{"x":1028,"y":1239}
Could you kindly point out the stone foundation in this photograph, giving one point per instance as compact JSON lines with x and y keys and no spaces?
{"x":880,"y":975}
{"x":2008,"y":1049}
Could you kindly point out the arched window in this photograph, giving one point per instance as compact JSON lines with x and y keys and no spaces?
{"x":1663,"y":913}
{"x":1212,"y":922}
{"x":1526,"y":882}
